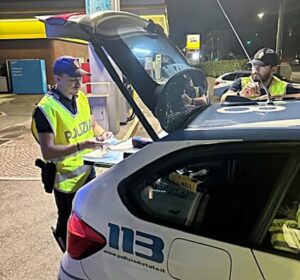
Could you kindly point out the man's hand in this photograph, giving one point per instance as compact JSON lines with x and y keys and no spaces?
{"x":251,"y":90}
{"x":262,"y":97}
{"x":198,"y":101}
{"x":201,"y":101}
{"x":186,"y":99}
{"x":107,"y":135}
{"x":93,"y":143}
{"x":289,"y":212}
{"x":97,"y":142}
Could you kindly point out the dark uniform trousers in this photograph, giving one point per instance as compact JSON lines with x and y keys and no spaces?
{"x":64,"y":208}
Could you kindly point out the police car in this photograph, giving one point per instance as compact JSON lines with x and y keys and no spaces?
{"x":213,"y":199}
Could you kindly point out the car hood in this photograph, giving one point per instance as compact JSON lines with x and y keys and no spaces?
{"x":143,"y":53}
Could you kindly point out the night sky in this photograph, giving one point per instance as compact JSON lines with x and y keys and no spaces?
{"x":205,"y":17}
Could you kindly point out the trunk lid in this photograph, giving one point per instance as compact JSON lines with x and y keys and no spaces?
{"x":150,"y":62}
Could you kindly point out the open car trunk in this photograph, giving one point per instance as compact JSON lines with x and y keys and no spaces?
{"x":153,"y":66}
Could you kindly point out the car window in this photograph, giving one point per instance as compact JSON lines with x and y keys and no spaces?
{"x":230,"y":77}
{"x":220,"y":196}
{"x":284,"y":232}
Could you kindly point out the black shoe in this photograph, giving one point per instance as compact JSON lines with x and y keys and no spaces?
{"x":59,"y":240}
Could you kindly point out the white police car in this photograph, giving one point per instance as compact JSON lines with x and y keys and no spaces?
{"x":214,"y":199}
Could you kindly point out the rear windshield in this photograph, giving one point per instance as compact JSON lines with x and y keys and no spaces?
{"x":160,"y":59}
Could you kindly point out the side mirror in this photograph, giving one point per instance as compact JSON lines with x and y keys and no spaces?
{"x":174,"y":105}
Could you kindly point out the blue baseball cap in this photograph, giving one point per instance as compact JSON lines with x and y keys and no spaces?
{"x":68,"y":65}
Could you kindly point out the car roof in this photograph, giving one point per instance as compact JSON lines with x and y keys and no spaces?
{"x":261,"y":122}
{"x":279,"y":114}
{"x":236,"y":135}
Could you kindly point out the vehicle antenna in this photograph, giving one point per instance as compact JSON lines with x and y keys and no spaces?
{"x":269,"y":101}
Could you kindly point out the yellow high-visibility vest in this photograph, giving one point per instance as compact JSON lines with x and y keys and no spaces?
{"x":197,"y":91}
{"x":277,"y":87}
{"x":285,"y":234}
{"x":68,"y":128}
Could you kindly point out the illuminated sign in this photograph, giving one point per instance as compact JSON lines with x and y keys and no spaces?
{"x":193,"y":42}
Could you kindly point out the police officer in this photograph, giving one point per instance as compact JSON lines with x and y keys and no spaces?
{"x":65,"y":130}
{"x":192,"y":95}
{"x":264,"y":65}
{"x":285,"y":230}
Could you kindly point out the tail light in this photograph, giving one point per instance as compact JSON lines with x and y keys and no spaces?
{"x":82,"y":240}
{"x":217,"y":82}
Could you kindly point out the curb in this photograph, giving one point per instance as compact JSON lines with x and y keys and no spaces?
{"x":20,"y":179}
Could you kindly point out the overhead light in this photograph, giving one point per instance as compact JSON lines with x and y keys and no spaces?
{"x":261,"y":15}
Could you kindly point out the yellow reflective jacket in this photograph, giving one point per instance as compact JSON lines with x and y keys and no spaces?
{"x":277,"y":87}
{"x":68,"y":128}
{"x":285,"y":234}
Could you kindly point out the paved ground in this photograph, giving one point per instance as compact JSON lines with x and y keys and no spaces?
{"x":17,"y":158}
{"x":27,"y":248}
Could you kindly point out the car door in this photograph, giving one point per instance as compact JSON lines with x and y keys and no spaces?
{"x":281,"y":260}
{"x":207,"y":202}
